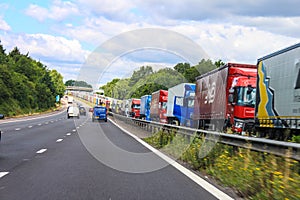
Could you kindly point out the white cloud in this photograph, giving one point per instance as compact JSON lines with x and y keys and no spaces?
{"x":56,"y":52}
{"x":37,"y":12}
{"x":234,"y":42}
{"x":58,"y":11}
{"x":113,"y":9}
{"x":237,"y":31}
{"x":281,"y":16}
{"x":203,"y":9}
{"x":3,"y":25}
{"x":96,"y":30}
{"x":52,"y":47}
{"x":288,"y":26}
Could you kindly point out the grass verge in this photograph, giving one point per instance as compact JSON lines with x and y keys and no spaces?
{"x":255,"y":175}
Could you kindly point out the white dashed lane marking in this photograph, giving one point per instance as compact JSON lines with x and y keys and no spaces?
{"x":41,"y":151}
{"x":59,"y":140}
{"x":17,"y":129}
{"x":29,"y":126}
{"x":68,"y":134}
{"x":3,"y":174}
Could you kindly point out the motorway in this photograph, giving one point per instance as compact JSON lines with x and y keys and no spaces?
{"x":52,"y":157}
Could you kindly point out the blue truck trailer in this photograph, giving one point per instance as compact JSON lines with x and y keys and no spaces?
{"x":180,"y":106}
{"x":145,"y":107}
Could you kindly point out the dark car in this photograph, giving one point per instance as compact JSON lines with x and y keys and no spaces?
{"x":82,"y":110}
{"x":1,"y":117}
{"x":99,"y":113}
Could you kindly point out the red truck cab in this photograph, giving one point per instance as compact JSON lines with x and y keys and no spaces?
{"x":241,"y":98}
{"x":134,"y":107}
{"x":158,"y":108}
{"x":225,"y":98}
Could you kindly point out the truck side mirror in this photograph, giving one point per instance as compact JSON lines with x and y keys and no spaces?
{"x":230,"y":98}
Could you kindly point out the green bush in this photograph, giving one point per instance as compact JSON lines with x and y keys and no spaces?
{"x":255,"y":175}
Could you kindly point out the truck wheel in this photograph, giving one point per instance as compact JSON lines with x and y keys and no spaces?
{"x":105,"y":120}
{"x":176,"y":122}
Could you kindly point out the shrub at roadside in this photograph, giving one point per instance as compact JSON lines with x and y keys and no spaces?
{"x":255,"y":175}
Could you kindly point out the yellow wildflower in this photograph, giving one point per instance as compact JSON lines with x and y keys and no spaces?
{"x":291,"y":179}
{"x":282,"y":187}
{"x":277,"y":173}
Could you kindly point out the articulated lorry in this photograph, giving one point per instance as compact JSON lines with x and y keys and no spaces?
{"x":145,"y":107}
{"x":180,"y":104}
{"x":158,"y":107}
{"x":277,"y":112}
{"x":125,"y":107}
{"x":225,"y":98}
{"x":134,"y":107}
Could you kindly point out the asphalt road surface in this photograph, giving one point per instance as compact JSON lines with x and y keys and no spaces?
{"x":52,"y":157}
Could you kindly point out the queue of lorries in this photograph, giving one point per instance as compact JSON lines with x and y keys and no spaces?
{"x":240,"y":98}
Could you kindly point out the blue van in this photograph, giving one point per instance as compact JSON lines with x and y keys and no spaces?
{"x":99,"y":113}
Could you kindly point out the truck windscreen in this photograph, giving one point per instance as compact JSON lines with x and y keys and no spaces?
{"x":246,"y":96}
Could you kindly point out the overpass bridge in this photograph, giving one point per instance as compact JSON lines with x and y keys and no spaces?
{"x":76,"y":88}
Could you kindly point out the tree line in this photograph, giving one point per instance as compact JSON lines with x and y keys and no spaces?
{"x":77,"y":83}
{"x":26,"y":85}
{"x":146,"y":81}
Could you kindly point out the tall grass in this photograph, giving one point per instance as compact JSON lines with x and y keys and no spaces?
{"x":255,"y":175}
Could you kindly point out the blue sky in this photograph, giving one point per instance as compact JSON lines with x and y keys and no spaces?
{"x":62,"y":34}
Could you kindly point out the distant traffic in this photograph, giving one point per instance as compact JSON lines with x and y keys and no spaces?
{"x":261,"y":100}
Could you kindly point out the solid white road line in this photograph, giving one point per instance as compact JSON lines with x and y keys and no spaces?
{"x":3,"y":174}
{"x":39,"y":117}
{"x":201,"y":182}
{"x":41,"y":151}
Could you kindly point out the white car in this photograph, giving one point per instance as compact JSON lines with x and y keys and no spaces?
{"x":73,"y":111}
